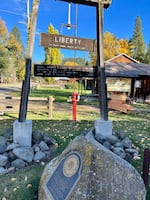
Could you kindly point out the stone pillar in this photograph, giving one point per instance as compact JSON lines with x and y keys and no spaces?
{"x":22,"y":133}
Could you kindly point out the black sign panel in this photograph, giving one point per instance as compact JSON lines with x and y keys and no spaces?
{"x":65,"y":177}
{"x":63,"y":71}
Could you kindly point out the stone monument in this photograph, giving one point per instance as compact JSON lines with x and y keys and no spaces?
{"x":86,"y":170}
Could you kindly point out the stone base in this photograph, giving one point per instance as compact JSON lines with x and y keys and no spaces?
{"x":103,"y":127}
{"x":22,"y":133}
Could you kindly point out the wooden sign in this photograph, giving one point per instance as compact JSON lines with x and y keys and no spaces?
{"x":105,"y":3}
{"x":66,"y":42}
{"x":64,"y":71}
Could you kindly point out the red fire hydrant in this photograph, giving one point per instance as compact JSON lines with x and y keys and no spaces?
{"x":75,"y":99}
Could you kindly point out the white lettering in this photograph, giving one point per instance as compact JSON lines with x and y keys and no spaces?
{"x":79,"y":42}
{"x":67,"y":41}
{"x":71,"y":41}
{"x":56,"y":39}
{"x":63,"y":40}
{"x":75,"y":41}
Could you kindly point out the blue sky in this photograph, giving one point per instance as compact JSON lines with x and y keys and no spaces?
{"x":119,"y":19}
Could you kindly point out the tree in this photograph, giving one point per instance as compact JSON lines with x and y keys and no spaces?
{"x":123,"y":46}
{"x":3,"y":30}
{"x":52,"y":55}
{"x":18,"y":52}
{"x":17,"y":34}
{"x":4,"y":53}
{"x":110,"y":48}
{"x":137,"y":41}
{"x":147,"y":55}
{"x":110,"y":45}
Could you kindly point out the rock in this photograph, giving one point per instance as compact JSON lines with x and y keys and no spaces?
{"x":49,"y":140}
{"x":12,"y":146}
{"x":11,"y":169}
{"x":37,"y":136}
{"x":24,"y":153}
{"x":126,"y":142}
{"x":107,"y":145}
{"x":39,"y":156}
{"x":2,"y":170}
{"x":3,"y":160}
{"x":100,"y":174}
{"x":121,"y":135}
{"x":8,"y":133}
{"x":18,"y":163}
{"x":131,"y":151}
{"x":43,"y":146}
{"x":36,"y":147}
{"x":100,"y":138}
{"x":119,"y":151}
{"x":11,"y":156}
{"x":112,"y":139}
{"x":3,"y":144}
{"x":118,"y":144}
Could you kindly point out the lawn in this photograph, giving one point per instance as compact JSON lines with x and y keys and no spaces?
{"x":23,"y":184}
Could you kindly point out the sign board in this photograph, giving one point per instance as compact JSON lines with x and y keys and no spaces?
{"x":65,"y":177}
{"x":85,"y":2}
{"x":63,"y":71}
{"x":66,"y":42}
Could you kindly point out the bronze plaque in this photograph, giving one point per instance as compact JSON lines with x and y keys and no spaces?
{"x":66,"y":42}
{"x":65,"y":177}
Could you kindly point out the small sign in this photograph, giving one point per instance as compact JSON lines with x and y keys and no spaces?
{"x":66,"y":42}
{"x":65,"y":177}
{"x":64,"y":71}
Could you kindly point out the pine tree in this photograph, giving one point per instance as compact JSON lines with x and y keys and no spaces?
{"x":147,"y":55}
{"x":137,"y":42}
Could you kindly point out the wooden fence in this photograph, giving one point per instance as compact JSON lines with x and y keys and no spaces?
{"x":11,"y":104}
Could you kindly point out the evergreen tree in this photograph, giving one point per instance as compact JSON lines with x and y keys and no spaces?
{"x":147,"y":55}
{"x":137,"y":42}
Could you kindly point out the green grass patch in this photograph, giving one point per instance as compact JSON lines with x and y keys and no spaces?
{"x":23,"y":184}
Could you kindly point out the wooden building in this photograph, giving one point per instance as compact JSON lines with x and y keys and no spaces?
{"x":125,"y":74}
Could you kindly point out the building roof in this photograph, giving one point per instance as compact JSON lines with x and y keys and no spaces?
{"x":115,"y":58}
{"x":114,"y":69}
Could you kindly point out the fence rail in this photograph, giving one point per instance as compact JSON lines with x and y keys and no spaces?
{"x":11,"y":104}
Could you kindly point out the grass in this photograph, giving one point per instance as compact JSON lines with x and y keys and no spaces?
{"x":23,"y":184}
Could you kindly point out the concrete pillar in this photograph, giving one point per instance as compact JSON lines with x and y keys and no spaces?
{"x":22,"y":133}
{"x":103,"y":127}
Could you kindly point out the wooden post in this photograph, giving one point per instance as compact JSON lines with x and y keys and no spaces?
{"x":50,"y":107}
{"x":102,"y":88}
{"x":146,"y":165}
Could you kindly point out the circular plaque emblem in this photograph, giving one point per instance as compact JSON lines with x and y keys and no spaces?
{"x":71,"y":165}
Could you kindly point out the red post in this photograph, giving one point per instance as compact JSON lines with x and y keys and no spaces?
{"x":74,"y":105}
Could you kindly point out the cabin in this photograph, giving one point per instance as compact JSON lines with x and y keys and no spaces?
{"x":126,"y":75}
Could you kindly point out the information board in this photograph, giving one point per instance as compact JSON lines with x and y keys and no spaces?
{"x":64,"y":71}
